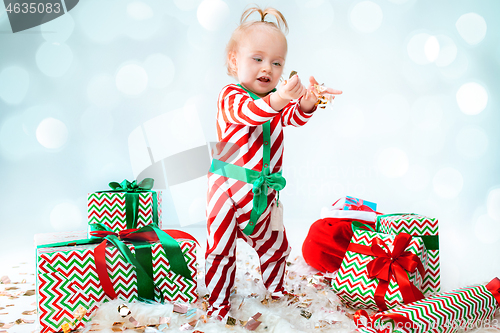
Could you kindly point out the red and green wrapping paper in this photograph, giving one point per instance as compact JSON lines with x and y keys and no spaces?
{"x":67,"y":278}
{"x":381,"y":271}
{"x":425,"y":228}
{"x":128,"y":205}
{"x":461,"y":309}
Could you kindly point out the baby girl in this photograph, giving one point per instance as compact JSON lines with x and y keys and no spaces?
{"x":244,"y":182}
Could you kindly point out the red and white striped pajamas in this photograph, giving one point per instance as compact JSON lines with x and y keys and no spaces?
{"x":229,"y":201}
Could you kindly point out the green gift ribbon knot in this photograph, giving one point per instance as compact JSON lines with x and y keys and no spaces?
{"x":126,"y":186}
{"x":132,"y":192}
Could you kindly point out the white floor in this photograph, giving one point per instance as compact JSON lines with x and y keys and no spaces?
{"x":316,"y":299}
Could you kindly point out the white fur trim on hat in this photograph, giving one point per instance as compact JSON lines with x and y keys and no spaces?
{"x":348,"y":214}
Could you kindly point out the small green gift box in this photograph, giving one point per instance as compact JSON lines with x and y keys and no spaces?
{"x":128,"y":205}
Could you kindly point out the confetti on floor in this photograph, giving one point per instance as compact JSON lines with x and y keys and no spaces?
{"x":313,"y":307}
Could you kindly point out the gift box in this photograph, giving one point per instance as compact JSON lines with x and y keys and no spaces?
{"x":381,"y":271}
{"x":351,"y":208}
{"x":127,"y":205}
{"x":458,"y":310}
{"x":427,"y":229}
{"x":351,"y":203}
{"x":71,"y":284}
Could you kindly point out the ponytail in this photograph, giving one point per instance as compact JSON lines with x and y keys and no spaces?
{"x":281,"y":23}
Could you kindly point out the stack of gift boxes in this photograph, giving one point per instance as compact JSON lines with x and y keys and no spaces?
{"x":391,"y":267}
{"x":124,"y":254}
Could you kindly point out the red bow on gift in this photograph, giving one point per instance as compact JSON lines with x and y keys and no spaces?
{"x":494,"y":287}
{"x":387,"y":264}
{"x":149,"y":236}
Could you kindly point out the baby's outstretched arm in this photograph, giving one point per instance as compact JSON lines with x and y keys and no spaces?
{"x":310,"y":97}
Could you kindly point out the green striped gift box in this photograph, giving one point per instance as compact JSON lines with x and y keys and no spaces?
{"x":467,"y":308}
{"x":109,"y":208}
{"x":425,"y":228}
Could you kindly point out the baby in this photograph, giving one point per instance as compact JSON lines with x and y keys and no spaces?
{"x":245,"y":176}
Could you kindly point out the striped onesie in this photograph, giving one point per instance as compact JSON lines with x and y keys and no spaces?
{"x":229,"y":201}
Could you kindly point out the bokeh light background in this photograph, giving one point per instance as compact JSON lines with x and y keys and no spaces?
{"x":416,"y":129}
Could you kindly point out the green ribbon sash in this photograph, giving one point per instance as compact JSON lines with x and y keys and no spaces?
{"x":132,"y":192}
{"x":261,"y":181}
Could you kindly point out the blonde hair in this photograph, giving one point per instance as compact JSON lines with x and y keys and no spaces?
{"x":281,"y":27}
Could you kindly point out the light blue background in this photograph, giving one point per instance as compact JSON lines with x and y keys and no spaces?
{"x":73,"y":90}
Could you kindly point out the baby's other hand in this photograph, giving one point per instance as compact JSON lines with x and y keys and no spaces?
{"x":327,"y":90}
{"x":291,"y":89}
{"x":308,"y":100}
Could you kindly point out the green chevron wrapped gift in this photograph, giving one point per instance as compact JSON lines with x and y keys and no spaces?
{"x":70,"y":280}
{"x":425,"y":228}
{"x":381,"y":271}
{"x":462,"y":309}
{"x":127,"y":205}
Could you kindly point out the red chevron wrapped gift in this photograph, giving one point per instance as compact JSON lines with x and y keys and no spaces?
{"x":69,"y":284}
{"x":462,"y":309}
{"x":425,"y":228}
{"x":381,"y":271}
{"x":128,"y":205}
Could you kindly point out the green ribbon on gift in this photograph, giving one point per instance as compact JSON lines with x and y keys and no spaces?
{"x":431,"y":241}
{"x":132,"y":192}
{"x":141,"y":239}
{"x":356,"y":225}
{"x":142,"y":261}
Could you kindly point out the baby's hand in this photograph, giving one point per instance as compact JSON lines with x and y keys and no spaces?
{"x":310,"y":98}
{"x":326,"y":90}
{"x":291,"y":89}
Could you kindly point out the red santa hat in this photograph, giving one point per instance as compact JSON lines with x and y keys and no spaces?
{"x":326,"y":243}
{"x":328,"y":238}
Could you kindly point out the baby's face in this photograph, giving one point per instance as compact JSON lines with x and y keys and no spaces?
{"x":259,"y":61}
